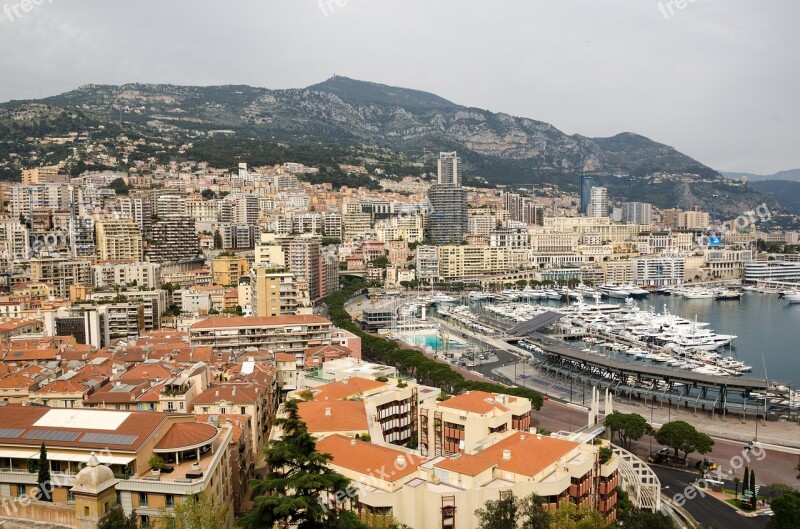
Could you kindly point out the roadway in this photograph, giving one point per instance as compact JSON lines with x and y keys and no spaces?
{"x":705,"y":508}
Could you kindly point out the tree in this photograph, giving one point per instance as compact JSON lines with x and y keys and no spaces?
{"x":532,"y":513}
{"x":498,"y":514}
{"x":380,"y":262}
{"x":787,"y":512}
{"x":119,"y":186}
{"x":571,"y":516}
{"x":746,"y":480}
{"x":631,"y":517}
{"x":510,"y":512}
{"x":753,"y":486}
{"x":306,"y":395}
{"x":195,"y":513}
{"x":44,"y":491}
{"x":207,"y":194}
{"x":682,"y":436}
{"x":797,"y":468}
{"x":629,"y":427}
{"x":115,"y":519}
{"x":294,"y":492}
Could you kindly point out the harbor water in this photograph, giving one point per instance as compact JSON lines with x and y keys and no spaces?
{"x":768,"y":329}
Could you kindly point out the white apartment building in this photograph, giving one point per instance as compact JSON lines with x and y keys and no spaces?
{"x":598,"y":202}
{"x":659,"y":271}
{"x":145,"y":274}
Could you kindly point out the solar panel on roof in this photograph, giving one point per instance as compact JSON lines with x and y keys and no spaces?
{"x":51,"y":435}
{"x":109,"y":438}
{"x":10,"y":433}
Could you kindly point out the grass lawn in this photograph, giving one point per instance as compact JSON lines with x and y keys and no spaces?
{"x":738,"y":504}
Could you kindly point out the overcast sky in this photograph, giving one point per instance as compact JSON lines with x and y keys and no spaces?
{"x":716,"y":79}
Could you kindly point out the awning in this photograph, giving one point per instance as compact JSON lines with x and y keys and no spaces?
{"x":6,"y":453}
{"x":74,"y":457}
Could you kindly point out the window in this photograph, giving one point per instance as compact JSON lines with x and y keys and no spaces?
{"x":143,"y":499}
{"x":205,"y":409}
{"x":223,"y":411}
{"x":86,"y":510}
{"x":169,"y":501}
{"x":242,"y":410}
{"x":181,"y":405}
{"x":70,"y":496}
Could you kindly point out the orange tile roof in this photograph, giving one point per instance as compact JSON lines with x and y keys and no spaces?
{"x":343,"y":389}
{"x":62,"y":386}
{"x":16,"y":354}
{"x":236,"y":393}
{"x":367,"y":458}
{"x":345,"y":416}
{"x":17,"y":381}
{"x":469,"y":465}
{"x":239,"y":423}
{"x":475,"y":402}
{"x":139,"y":424}
{"x":146,"y":372}
{"x":529,"y":454}
{"x":285,"y":357}
{"x":124,"y":394}
{"x":257,"y":321}
{"x":186,"y":434}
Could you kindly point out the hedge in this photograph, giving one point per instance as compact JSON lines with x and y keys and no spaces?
{"x":413,"y":362}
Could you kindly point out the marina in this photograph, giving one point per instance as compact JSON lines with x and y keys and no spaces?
{"x":709,"y":347}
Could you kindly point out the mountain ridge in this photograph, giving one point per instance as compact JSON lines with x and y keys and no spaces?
{"x":498,"y":147}
{"x":792,"y":175}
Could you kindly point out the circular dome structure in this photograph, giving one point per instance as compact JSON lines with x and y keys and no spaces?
{"x":94,"y":477}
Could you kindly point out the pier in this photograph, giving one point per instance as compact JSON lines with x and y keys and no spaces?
{"x":718,"y":394}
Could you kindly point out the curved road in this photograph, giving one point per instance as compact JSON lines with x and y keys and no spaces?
{"x":704,"y":508}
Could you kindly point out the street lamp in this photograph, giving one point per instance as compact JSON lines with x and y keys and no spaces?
{"x":652,"y":408}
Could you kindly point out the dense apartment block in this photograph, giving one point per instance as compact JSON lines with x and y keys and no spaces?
{"x":174,"y":239}
{"x":289,"y":334}
{"x":118,"y":240}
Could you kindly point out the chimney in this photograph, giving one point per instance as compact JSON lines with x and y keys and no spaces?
{"x":233,"y":393}
{"x":539,"y":436}
{"x":216,"y":393}
{"x":327,"y":412}
{"x":400,"y":462}
{"x":522,"y":437}
{"x":352,"y":442}
{"x":506,"y":455}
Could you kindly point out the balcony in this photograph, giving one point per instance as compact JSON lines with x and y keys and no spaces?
{"x":189,"y":475}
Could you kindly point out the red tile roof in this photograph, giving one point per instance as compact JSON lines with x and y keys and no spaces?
{"x":360,"y":456}
{"x":475,"y":402}
{"x":345,"y":416}
{"x":345,"y":388}
{"x":235,"y":393}
{"x":186,"y":434}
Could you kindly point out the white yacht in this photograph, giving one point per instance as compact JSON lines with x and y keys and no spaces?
{"x":614,"y":291}
{"x":697,"y":293}
{"x":440,"y":298}
{"x":792,"y":297}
